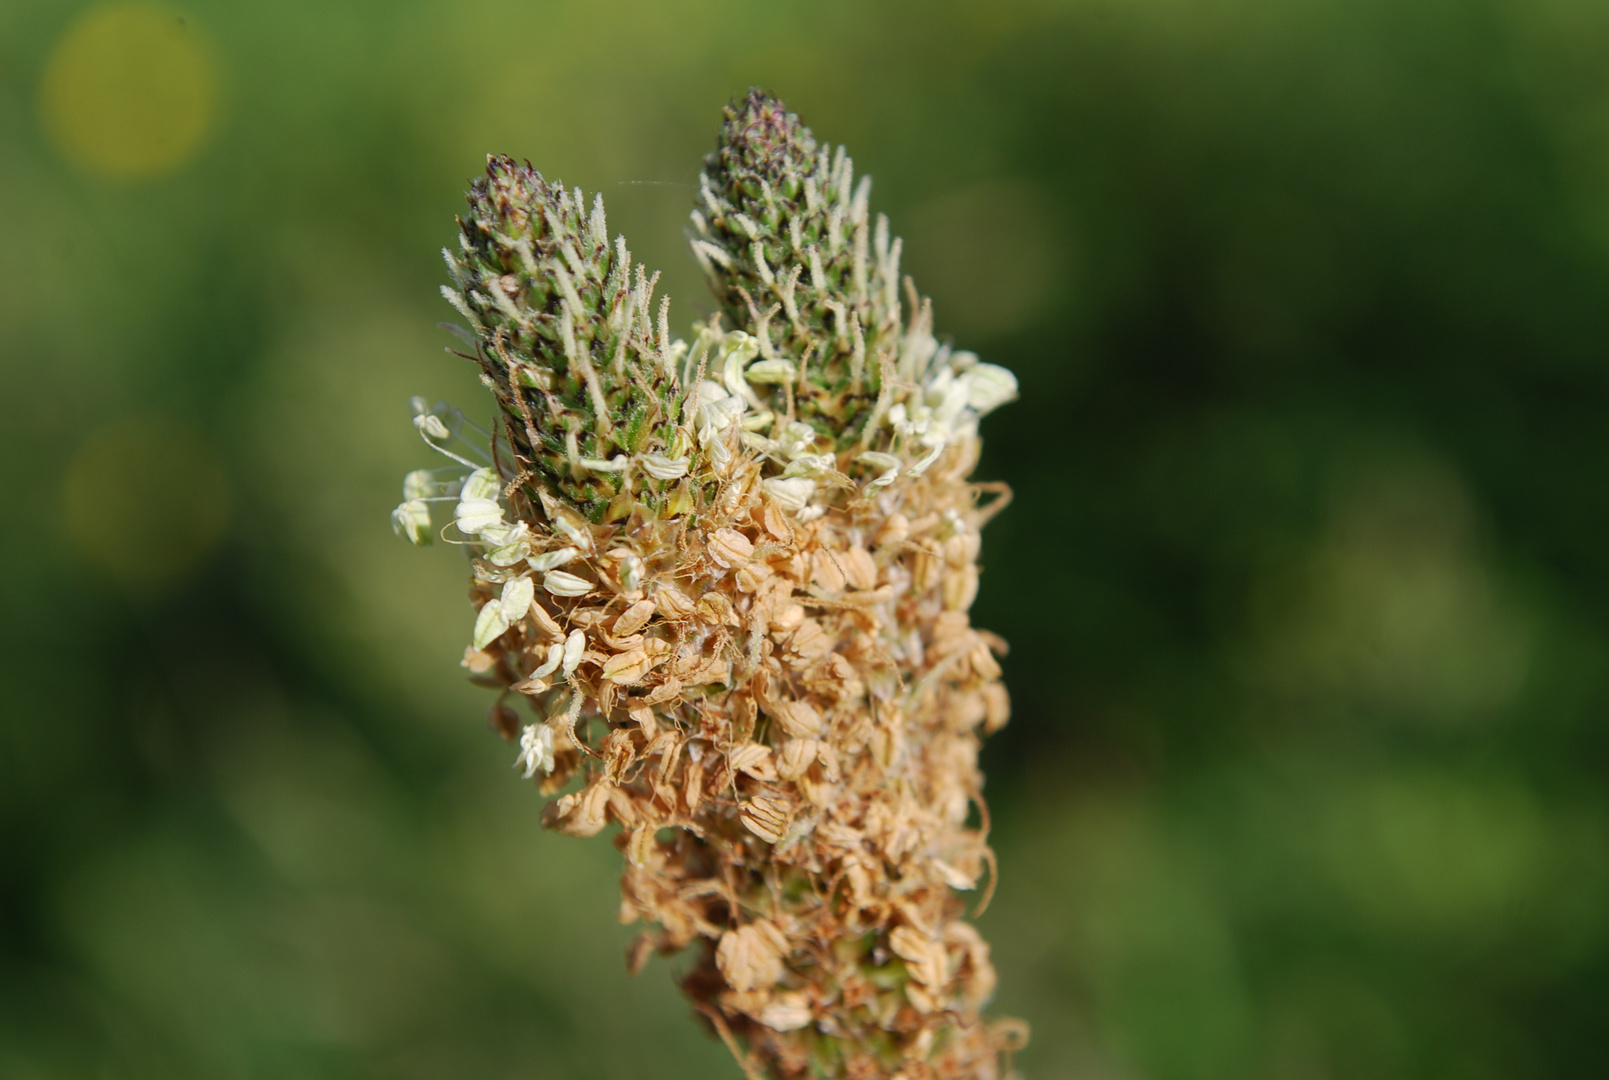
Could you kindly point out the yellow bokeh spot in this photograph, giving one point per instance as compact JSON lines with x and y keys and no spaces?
{"x":145,"y":499}
{"x":129,"y":91}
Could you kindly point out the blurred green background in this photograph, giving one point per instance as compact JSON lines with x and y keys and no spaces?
{"x":1307,"y":577}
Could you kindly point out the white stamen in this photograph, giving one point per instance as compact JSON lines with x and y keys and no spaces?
{"x":475,"y":515}
{"x":536,"y":750}
{"x":516,"y":598}
{"x":490,"y":625}
{"x":560,"y":583}
{"x":791,"y":493}
{"x":661,"y":467}
{"x":412,"y":519}
{"x":574,"y":645}
{"x":555,"y":657}
{"x":552,"y":560}
{"x":771,"y":371}
{"x":631,"y":573}
{"x":887,"y":462}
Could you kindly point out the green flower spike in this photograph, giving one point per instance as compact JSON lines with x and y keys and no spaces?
{"x":570,"y":343}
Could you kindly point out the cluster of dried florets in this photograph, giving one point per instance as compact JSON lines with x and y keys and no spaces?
{"x":732,"y":580}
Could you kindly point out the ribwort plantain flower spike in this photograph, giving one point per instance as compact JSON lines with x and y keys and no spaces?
{"x":730,"y":578}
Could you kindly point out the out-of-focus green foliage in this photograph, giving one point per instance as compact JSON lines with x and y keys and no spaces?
{"x":1307,"y":576}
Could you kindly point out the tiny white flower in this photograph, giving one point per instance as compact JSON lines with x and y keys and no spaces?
{"x":709,"y":391}
{"x":475,"y":515}
{"x":797,"y":438}
{"x":771,"y":371}
{"x":631,"y":573}
{"x":814,"y":465}
{"x":431,"y":427}
{"x":550,"y":560}
{"x":715,"y":415}
{"x":566,"y":522}
{"x":738,"y":349}
{"x":661,"y":467}
{"x":512,"y":543}
{"x":574,"y":646}
{"x":481,"y":484}
{"x":950,"y":403}
{"x":886,"y":462}
{"x":715,"y":418}
{"x":920,"y":424}
{"x":419,"y":484}
{"x":560,"y":583}
{"x":551,"y":664}
{"x":492,"y":575}
{"x":716,"y":451}
{"x":428,"y":420}
{"x":536,"y":750}
{"x":509,"y":554}
{"x":618,"y":463}
{"x":500,"y":533}
{"x":515,"y":601}
{"x":412,"y":519}
{"x":573,"y":529}
{"x":791,"y":493}
{"x":989,"y":386}
{"x":879,"y":460}
{"x":490,"y":625}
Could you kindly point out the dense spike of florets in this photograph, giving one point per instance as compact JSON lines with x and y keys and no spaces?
{"x":731,"y":583}
{"x":567,"y":338}
{"x":783,"y":232}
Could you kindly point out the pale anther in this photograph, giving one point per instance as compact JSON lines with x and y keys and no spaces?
{"x":412,"y":519}
{"x":550,"y":560}
{"x":574,"y":646}
{"x":560,"y":583}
